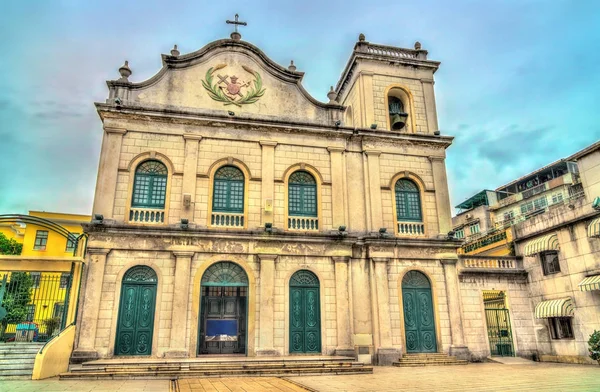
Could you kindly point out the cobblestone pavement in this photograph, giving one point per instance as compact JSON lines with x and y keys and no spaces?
{"x":481,"y":377}
{"x":56,"y":385}
{"x":238,"y":384}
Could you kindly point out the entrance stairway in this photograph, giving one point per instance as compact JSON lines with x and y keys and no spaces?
{"x":215,"y":367}
{"x":433,"y":359}
{"x":17,"y":359}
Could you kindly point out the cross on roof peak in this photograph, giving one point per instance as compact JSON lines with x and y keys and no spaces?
{"x":235,"y":35}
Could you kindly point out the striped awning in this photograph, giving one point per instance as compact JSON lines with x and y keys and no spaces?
{"x":541,"y":244}
{"x":594,"y":228}
{"x":555,"y":308}
{"x":590,"y":283}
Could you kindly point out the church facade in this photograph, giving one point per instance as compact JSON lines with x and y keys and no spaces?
{"x":236,"y":214}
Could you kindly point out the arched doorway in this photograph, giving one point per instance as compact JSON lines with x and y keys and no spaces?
{"x":223,"y":325}
{"x":305,"y":313}
{"x":135,"y":325}
{"x":419,"y":322}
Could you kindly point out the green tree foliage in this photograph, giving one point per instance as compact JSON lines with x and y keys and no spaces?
{"x":16,"y":298}
{"x":8,"y":246}
{"x":594,"y":346}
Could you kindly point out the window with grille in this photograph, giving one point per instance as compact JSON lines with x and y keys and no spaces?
{"x":71,"y":241}
{"x":408,"y":201}
{"x":561,"y":327}
{"x":150,"y":185}
{"x":41,"y":240}
{"x":557,"y":198}
{"x":64,"y":280}
{"x":59,"y":309}
{"x":30,"y":313}
{"x":228,"y":191}
{"x":550,"y":263}
{"x":302,"y":194}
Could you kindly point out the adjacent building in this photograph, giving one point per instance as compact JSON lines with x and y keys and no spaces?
{"x":549,"y":220}
{"x":53,"y":246}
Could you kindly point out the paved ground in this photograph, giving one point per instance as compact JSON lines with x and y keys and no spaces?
{"x":482,"y":377}
{"x":241,"y":384}
{"x":56,"y":385}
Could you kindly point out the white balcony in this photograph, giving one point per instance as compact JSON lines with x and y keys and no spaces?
{"x":411,"y":229}
{"x":146,"y":216}
{"x":227,"y":220}
{"x":303,"y":223}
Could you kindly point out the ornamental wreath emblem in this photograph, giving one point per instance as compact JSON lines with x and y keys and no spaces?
{"x":230,"y":89}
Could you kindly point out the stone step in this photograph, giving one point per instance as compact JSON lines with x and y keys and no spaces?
{"x":17,"y":358}
{"x":398,"y":364}
{"x":220,"y":361}
{"x":19,"y":351}
{"x":144,"y":374}
{"x":15,"y":372}
{"x":17,"y":366}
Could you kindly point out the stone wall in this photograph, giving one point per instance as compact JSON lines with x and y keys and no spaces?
{"x":474,"y":319}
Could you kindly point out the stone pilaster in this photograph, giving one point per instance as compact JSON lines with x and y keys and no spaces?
{"x":442,"y":196}
{"x":430,"y":108}
{"x":190,"y":169}
{"x":368,"y":99}
{"x":386,"y":354}
{"x":374,"y":183}
{"x":96,"y":264}
{"x":108,"y":169}
{"x":338,"y":199}
{"x":458,"y":347}
{"x":267,"y":308}
{"x":183,"y":262}
{"x":268,"y":180}
{"x":342,"y":295}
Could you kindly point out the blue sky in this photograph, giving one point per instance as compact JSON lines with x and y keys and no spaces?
{"x":518,"y":86}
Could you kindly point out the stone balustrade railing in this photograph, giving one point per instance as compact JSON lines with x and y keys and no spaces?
{"x":146,"y":215}
{"x":391,"y":51}
{"x":411,"y":229}
{"x":303,"y":223}
{"x":499,"y":263}
{"x":227,"y":219}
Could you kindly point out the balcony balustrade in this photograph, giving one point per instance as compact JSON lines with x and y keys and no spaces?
{"x":411,"y":229}
{"x":146,"y":216}
{"x":227,"y":220}
{"x":303,"y":223}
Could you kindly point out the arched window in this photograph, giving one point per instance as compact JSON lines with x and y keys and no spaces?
{"x":408,"y":201}
{"x":150,"y":185}
{"x":228,"y":191}
{"x":302,"y":194}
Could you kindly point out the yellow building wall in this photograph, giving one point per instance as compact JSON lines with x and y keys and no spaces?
{"x":51,"y":262}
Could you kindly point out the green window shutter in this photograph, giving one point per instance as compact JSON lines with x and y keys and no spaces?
{"x":302,"y":194}
{"x":408,"y":201}
{"x":228,"y":190}
{"x":150,"y":185}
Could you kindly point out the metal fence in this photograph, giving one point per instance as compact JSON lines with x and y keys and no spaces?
{"x":33,"y":305}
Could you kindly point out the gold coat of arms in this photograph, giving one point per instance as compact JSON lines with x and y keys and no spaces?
{"x":232,"y":90}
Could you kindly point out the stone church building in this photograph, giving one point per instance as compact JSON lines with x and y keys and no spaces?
{"x":234,"y":213}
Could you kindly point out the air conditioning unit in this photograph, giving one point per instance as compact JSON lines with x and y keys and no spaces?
{"x":469,"y":216}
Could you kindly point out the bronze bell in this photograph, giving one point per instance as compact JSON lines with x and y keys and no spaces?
{"x":397,"y":115}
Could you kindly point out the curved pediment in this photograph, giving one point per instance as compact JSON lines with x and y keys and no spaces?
{"x":228,"y":75}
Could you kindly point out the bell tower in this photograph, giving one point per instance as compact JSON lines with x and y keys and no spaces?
{"x":389,"y":88}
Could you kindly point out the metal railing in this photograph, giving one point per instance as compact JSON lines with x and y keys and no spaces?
{"x":146,"y":215}
{"x":303,"y":223}
{"x":411,"y":229}
{"x":227,"y":219}
{"x":35,"y":305}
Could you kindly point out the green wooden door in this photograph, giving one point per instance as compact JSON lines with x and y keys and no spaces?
{"x":305,"y":313}
{"x":135,"y":325}
{"x":419,"y":322}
